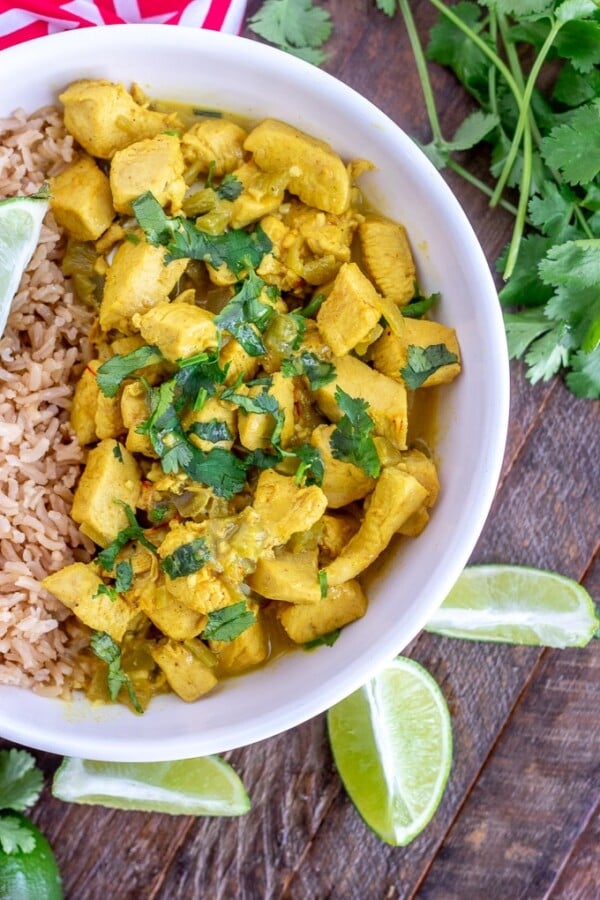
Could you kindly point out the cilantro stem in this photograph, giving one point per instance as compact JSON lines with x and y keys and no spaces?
{"x":483,"y":187}
{"x":421,"y":64}
{"x":524,"y":114}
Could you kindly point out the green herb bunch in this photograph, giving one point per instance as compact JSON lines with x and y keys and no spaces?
{"x":545,"y":146}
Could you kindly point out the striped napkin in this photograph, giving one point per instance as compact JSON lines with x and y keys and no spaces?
{"x":28,"y":19}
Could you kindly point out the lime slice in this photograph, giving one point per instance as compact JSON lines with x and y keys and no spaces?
{"x":206,"y":786}
{"x":20,"y":225}
{"x":29,"y":874}
{"x":392,"y":745}
{"x":517,"y":605}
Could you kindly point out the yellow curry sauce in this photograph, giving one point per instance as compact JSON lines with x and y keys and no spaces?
{"x":258,"y":411}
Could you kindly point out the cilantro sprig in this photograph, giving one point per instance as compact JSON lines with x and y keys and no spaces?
{"x":545,"y":143}
{"x":107,"y":650}
{"x":21,"y":783}
{"x":228,"y":623}
{"x":352,"y":439}
{"x":297,"y":26}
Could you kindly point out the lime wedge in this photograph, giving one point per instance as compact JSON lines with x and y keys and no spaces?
{"x":20,"y":225}
{"x":517,"y":605}
{"x":206,"y":786}
{"x":392,"y":745}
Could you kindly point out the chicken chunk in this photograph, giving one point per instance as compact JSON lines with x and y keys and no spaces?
{"x":385,"y":396}
{"x":388,"y":258}
{"x":291,"y":577}
{"x":214,"y":141}
{"x":81,"y":200}
{"x":263,"y":193}
{"x":188,"y":667}
{"x":154,"y":164}
{"x":110,"y":479}
{"x":397,"y":496}
{"x":343,"y":482}
{"x":343,"y":604}
{"x":103,"y":117}
{"x":178,"y":329}
{"x":284,"y":507}
{"x":78,"y":586}
{"x":169,"y":615}
{"x":350,"y":311}
{"x":238,"y":362}
{"x":389,"y":354}
{"x":317,"y":174}
{"x":137,"y":280}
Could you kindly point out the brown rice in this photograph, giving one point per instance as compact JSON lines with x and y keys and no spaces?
{"x":41,"y":353}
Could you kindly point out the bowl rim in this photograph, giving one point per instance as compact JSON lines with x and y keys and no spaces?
{"x":312,"y":703}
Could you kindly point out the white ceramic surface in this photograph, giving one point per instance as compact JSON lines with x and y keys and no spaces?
{"x":234,"y":74}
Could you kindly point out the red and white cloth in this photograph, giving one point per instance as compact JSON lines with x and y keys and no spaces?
{"x":28,"y":19}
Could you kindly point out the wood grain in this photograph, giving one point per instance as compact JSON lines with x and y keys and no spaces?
{"x":519,"y":818}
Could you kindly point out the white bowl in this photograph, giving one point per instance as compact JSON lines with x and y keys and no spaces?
{"x":241,"y":76}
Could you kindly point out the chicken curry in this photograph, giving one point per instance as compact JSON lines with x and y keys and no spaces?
{"x":259,"y":349}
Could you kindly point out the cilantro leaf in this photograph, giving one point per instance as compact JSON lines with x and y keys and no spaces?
{"x":574,"y":148}
{"x":15,"y":837}
{"x":325,"y":640}
{"x":423,"y":362}
{"x":418,"y":306}
{"x":124,"y":573}
{"x":386,"y":6}
{"x":547,"y":354}
{"x":318,"y":372}
{"x":579,"y":42}
{"x":186,"y":559}
{"x":525,"y":287}
{"x":215,"y":431}
{"x":238,"y":249}
{"x":219,"y":469}
{"x":228,"y":623}
{"x":20,"y":780}
{"x":106,"y":649}
{"x":451,"y":47}
{"x":296,"y":26}
{"x":351,"y":440}
{"x":323,"y":586}
{"x":230,"y":188}
{"x":523,"y":328}
{"x":573,"y":88}
{"x":246,"y":315}
{"x":473,"y":130}
{"x":132,"y":532}
{"x":584,"y":379}
{"x":107,"y":590}
{"x":112,"y":372}
{"x":311,"y":469}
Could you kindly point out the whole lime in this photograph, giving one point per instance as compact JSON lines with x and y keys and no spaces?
{"x":33,"y":875}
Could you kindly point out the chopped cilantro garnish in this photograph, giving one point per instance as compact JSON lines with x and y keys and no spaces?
{"x":215,"y":431}
{"x":228,"y":623}
{"x":107,"y":590}
{"x":124,"y":573}
{"x":313,"y":306}
{"x":319,"y":373}
{"x":246,"y":315}
{"x":230,"y":188}
{"x":418,"y":306}
{"x":240,"y":250}
{"x":117,"y":453}
{"x":423,"y":362}
{"x":106,"y":649}
{"x":133,"y":532}
{"x":324,"y":640}
{"x":323,"y":586}
{"x":352,"y":439}
{"x":186,"y":559}
{"x":111,"y":373}
{"x":219,"y":469}
{"x":311,"y":469}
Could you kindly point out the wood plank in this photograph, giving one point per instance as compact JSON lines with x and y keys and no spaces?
{"x":580,"y":877}
{"x":537,"y":792}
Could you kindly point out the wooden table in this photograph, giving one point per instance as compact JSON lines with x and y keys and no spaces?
{"x":520,"y":815}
